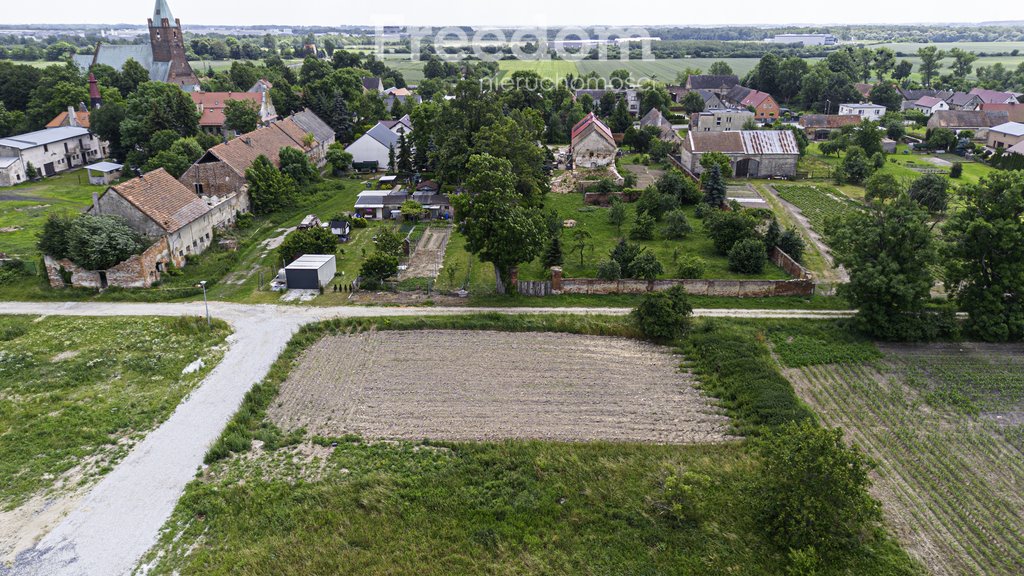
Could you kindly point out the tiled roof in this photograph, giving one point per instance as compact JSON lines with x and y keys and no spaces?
{"x":241,"y":152}
{"x":755,"y":98}
{"x":312,"y":124}
{"x":163,"y":199}
{"x":743,"y":142}
{"x":959,"y":119}
{"x":1017,"y":149}
{"x":1015,"y":111}
{"x":992,"y":96}
{"x":961,"y":99}
{"x":864,"y":89}
{"x":928,"y":101}
{"x":830,"y":121}
{"x":582,"y":128}
{"x":61,"y":120}
{"x":214,"y":103}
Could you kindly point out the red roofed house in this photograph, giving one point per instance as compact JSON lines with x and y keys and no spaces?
{"x":593,"y":144}
{"x":1015,"y":112}
{"x":764,"y":106}
{"x":211,"y":107}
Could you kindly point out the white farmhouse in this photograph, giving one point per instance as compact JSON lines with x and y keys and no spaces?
{"x":930,"y":105}
{"x":593,"y":144}
{"x":376,"y":144}
{"x":49,"y":151}
{"x":869,"y":111}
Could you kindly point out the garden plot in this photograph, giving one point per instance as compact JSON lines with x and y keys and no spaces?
{"x":942,"y":421}
{"x":468,"y":385}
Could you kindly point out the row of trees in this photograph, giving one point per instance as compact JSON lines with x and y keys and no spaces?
{"x":895,"y":258}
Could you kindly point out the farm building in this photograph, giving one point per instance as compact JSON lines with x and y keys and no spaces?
{"x":1006,"y":135}
{"x":323,"y":135}
{"x":720,"y":120}
{"x":820,"y":126}
{"x":376,"y":144}
{"x":311,"y":272}
{"x":103,"y":173}
{"x":211,"y":106}
{"x":49,"y":151}
{"x":752,"y":153}
{"x":656,"y":119}
{"x":593,"y":144}
{"x":977,"y":121}
{"x":717,"y":84}
{"x":964,"y":101}
{"x":868,"y":110}
{"x":1015,"y":112}
{"x":994,"y":96}
{"x":380,"y":204}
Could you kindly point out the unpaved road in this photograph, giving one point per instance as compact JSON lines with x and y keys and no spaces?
{"x":119,"y":520}
{"x":482,"y":386}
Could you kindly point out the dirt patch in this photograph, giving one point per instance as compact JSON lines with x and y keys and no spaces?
{"x":645,"y":175}
{"x":464,"y":385}
{"x":427,"y":259}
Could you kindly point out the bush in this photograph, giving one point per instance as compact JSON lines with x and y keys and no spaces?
{"x":92,"y":242}
{"x":675,"y":184}
{"x":315,"y":240}
{"x":244,"y":220}
{"x":957,"y":170}
{"x":11,"y":270}
{"x":358,"y":222}
{"x":663,"y":316}
{"x":692,"y":268}
{"x":645,"y":267}
{"x":682,"y":501}
{"x":378,"y":267}
{"x":643,"y":227}
{"x":389,"y":241}
{"x":624,"y":253}
{"x":792,"y":244}
{"x":609,"y":270}
{"x":812,"y":490}
{"x":747,"y":256}
{"x":655,"y":202}
{"x":676,"y":225}
{"x":702,"y":210}
{"x":728,"y":228}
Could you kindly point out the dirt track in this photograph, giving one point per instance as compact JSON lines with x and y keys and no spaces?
{"x":429,"y":254}
{"x":459,"y":385}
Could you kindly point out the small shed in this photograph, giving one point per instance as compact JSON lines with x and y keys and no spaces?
{"x":311,"y":272}
{"x":103,"y":173}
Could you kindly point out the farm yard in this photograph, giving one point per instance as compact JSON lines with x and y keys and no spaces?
{"x":400,"y":385}
{"x":944,"y":423}
{"x":76,"y":394}
{"x":24,"y":209}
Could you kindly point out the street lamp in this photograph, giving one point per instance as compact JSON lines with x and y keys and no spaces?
{"x":206,"y":303}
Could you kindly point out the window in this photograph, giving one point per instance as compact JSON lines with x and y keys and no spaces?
{"x":199,"y":189}
{"x":66,"y":148}
{"x":46,"y":148}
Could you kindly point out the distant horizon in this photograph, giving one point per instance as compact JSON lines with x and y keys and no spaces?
{"x":524,"y":13}
{"x":186,"y":24}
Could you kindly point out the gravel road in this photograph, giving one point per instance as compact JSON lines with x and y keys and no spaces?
{"x":120,"y":519}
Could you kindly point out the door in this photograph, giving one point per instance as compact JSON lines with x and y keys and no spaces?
{"x":48,"y":169}
{"x":746,"y":167}
{"x":103,"y":280}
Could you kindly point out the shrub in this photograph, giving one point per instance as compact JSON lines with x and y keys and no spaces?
{"x":812,"y":490}
{"x":728,"y":228}
{"x":682,"y":500}
{"x":645,"y":267}
{"x":702,"y":210}
{"x":663,"y":316}
{"x":358,"y":222}
{"x":244,"y":220}
{"x":389,"y":241}
{"x":792,"y":244}
{"x":655,"y":202}
{"x":315,"y":240}
{"x":747,"y":256}
{"x":609,"y":270}
{"x":624,"y":253}
{"x":378,"y":267}
{"x":617,"y":214}
{"x":100,"y":242}
{"x":957,"y":170}
{"x":676,"y":225}
{"x":553,"y":255}
{"x":675,"y":184}
{"x":692,"y":268}
{"x":643,"y":227}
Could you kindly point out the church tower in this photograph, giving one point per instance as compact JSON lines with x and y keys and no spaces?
{"x":169,"y":46}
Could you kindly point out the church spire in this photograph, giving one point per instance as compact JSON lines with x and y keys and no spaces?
{"x":162,"y":11}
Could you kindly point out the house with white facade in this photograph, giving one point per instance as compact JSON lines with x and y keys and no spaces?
{"x":930,"y":105}
{"x":869,"y":111}
{"x":376,"y":144}
{"x":49,"y":152}
{"x":593,"y":144}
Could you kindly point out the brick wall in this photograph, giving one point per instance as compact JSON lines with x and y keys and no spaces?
{"x":139,"y":271}
{"x":217,"y":179}
{"x":731,"y":288}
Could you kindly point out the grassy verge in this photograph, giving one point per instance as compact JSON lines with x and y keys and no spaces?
{"x":329,"y":505}
{"x":77,"y":392}
{"x":631,"y":300}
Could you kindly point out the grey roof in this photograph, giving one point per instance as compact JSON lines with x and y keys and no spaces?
{"x":381,"y":134}
{"x":962,"y":98}
{"x":104,"y":167}
{"x":41,"y":137}
{"x":312,"y":124}
{"x":160,"y":11}
{"x":379,"y":199}
{"x":116,"y":55}
{"x":7,"y":161}
{"x":1010,"y":128}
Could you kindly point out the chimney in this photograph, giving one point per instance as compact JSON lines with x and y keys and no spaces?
{"x":72,"y":117}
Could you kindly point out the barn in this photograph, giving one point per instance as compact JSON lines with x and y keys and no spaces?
{"x":593,"y":144}
{"x":752,"y":153}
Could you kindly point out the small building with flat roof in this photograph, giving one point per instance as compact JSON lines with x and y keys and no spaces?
{"x":103,"y":173}
{"x":311,"y":272}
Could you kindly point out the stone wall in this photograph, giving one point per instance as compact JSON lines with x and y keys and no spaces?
{"x":730,"y":288}
{"x":216,"y":178}
{"x":139,"y":271}
{"x":790,"y":266}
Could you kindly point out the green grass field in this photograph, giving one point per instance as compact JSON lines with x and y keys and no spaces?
{"x":976,"y":47}
{"x":553,"y":70}
{"x":606,"y":236}
{"x":24,"y":209}
{"x":78,"y":392}
{"x":664,"y":70}
{"x":303,"y":505}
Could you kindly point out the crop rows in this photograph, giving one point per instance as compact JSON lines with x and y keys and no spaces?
{"x":949,"y":483}
{"x":820,"y":204}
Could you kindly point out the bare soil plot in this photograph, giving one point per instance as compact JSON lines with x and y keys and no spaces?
{"x":467,"y":385}
{"x":426,"y":261}
{"x":949,"y":474}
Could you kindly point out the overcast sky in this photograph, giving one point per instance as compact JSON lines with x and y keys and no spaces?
{"x":512,"y":12}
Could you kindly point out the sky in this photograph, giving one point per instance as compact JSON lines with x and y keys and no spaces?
{"x":547,"y":13}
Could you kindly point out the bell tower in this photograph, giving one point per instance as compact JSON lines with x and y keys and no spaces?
{"x":169,"y":46}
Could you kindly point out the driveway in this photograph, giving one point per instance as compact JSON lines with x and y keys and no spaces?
{"x":120,"y":519}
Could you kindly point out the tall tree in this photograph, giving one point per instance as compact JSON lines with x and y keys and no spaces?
{"x":888,"y":250}
{"x":404,"y":155}
{"x":241,"y":116}
{"x":719,"y":68}
{"x":500,"y":227}
{"x":884,"y":62}
{"x":693,"y":102}
{"x":931,"y":58}
{"x":984,"y":256}
{"x":902,"y":70}
{"x":963,"y":62}
{"x":269,"y":189}
{"x":714,"y":187}
{"x":156,"y":106}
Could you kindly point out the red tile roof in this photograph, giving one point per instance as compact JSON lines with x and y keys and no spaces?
{"x":212,"y":104}
{"x":62,"y":120}
{"x":163,"y":199}
{"x":591,"y":120}
{"x":1014,"y":111}
{"x":241,"y":152}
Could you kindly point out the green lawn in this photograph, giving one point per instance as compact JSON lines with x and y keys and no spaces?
{"x":81,"y":391}
{"x":25,"y":207}
{"x":605,"y":237}
{"x":554,"y":70}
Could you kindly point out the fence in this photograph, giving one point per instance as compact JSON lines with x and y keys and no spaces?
{"x":534,"y":287}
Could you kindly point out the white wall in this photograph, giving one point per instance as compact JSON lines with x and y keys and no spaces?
{"x":368,"y":149}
